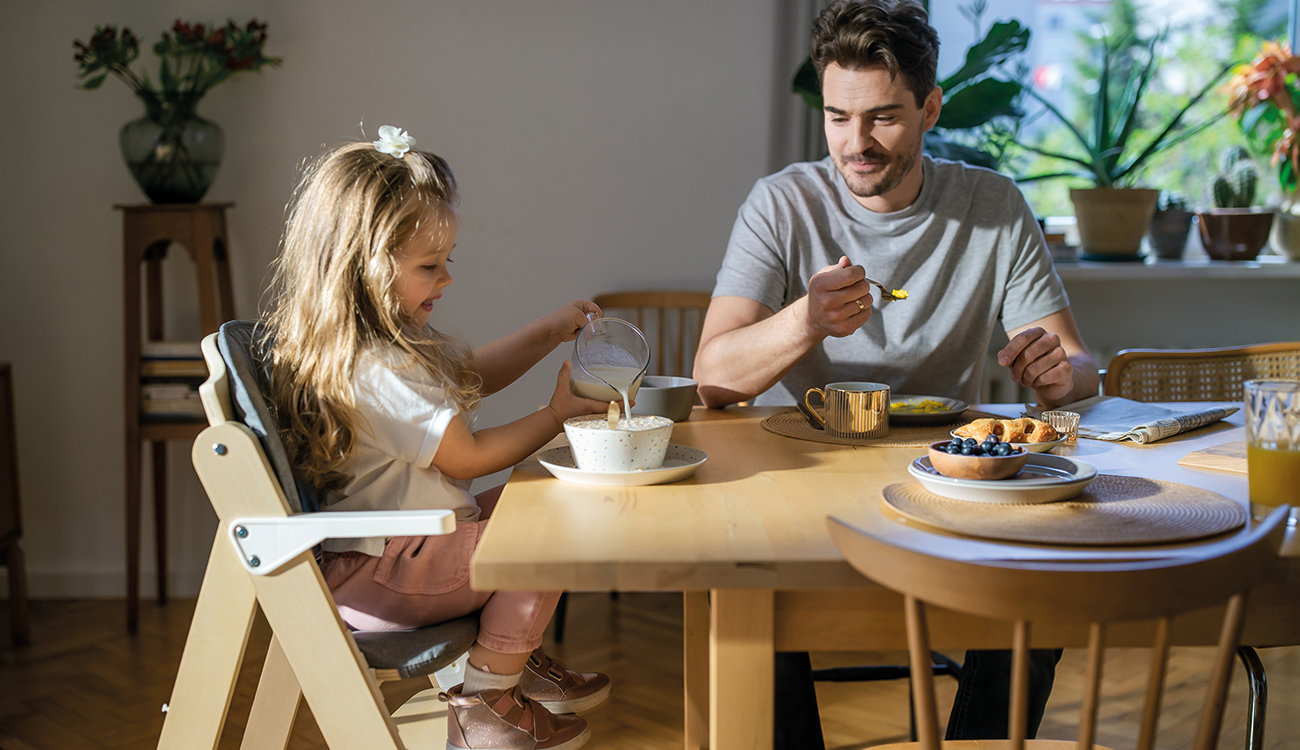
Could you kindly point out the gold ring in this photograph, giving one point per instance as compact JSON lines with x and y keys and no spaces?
{"x":861,"y":307}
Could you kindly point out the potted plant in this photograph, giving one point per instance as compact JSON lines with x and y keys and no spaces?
{"x":1170,"y":226}
{"x":172,"y":153}
{"x":1113,"y":215}
{"x":1264,"y":105}
{"x":1233,"y":230}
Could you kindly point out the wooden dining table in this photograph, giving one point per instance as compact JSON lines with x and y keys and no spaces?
{"x":746,"y":541}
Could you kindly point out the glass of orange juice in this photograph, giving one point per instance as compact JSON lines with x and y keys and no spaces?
{"x":1273,"y":441}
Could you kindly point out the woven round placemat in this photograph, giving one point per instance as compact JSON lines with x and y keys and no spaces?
{"x":1112,"y":510}
{"x":794,"y":424}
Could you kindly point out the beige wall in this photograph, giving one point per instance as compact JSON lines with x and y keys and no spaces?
{"x":600,"y":145}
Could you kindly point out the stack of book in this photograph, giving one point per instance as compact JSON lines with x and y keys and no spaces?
{"x":170,"y":375}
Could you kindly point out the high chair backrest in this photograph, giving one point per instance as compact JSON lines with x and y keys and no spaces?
{"x":671,"y":321}
{"x":237,"y":392}
{"x":1092,"y":593}
{"x":1197,"y":374}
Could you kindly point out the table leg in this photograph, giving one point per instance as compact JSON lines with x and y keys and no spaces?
{"x":160,"y":516}
{"x":695,"y":607}
{"x":132,"y":532}
{"x":741,"y":669}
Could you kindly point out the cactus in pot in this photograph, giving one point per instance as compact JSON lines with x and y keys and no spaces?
{"x":1234,"y":230}
{"x":1170,"y":225}
{"x":1237,"y":181}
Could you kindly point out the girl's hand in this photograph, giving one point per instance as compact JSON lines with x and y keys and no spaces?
{"x":566,"y":405}
{"x":564,"y":324}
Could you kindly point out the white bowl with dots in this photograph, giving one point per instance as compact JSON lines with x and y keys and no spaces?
{"x":639,"y":442}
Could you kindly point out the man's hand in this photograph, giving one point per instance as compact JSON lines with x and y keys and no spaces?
{"x":839,"y":299}
{"x":1038,"y":360}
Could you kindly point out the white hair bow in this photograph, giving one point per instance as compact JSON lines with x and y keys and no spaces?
{"x":394,"y":141}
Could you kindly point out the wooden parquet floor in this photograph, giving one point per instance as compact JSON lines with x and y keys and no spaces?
{"x":84,"y":685}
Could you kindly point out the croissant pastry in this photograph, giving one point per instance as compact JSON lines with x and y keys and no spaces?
{"x":1023,"y":430}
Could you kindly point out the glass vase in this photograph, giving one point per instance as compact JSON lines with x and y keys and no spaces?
{"x":172,"y":153}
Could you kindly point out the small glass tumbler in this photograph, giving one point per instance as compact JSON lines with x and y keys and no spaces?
{"x":1066,"y":424}
{"x":1273,"y":440}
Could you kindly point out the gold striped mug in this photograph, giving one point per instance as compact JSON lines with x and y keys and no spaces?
{"x":851,"y":410}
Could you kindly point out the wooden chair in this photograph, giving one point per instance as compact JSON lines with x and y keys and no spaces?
{"x":262,"y":558}
{"x":1207,"y":375}
{"x":1088,"y":593}
{"x":1197,"y":374}
{"x":11,"y":522}
{"x":671,"y":322}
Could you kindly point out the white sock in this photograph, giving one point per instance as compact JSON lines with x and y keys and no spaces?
{"x":477,"y":680}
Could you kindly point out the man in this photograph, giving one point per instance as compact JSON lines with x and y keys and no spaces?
{"x":793,"y":309}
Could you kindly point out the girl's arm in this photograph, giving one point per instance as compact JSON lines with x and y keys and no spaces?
{"x":467,"y":455}
{"x":503,"y":361}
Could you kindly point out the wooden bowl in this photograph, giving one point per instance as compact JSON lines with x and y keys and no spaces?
{"x":976,"y":467}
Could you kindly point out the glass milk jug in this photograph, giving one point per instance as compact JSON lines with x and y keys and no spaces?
{"x":610,"y":356}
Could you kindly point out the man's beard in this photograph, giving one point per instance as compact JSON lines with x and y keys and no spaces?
{"x":897,"y":168}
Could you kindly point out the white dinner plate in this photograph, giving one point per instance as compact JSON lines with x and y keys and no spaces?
{"x":679,"y":463}
{"x":1046,"y":478}
{"x":952,"y":410}
{"x":1031,"y":447}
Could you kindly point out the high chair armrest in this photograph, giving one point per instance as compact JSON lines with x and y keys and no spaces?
{"x":264,"y":544}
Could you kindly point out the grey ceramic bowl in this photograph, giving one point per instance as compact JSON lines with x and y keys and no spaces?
{"x":666,"y":397}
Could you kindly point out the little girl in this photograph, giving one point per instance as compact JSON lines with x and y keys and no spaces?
{"x":377,"y":407}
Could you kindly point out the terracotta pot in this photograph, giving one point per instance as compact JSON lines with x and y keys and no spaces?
{"x":1285,"y":236}
{"x":1112,"y":221}
{"x":1234,"y":233}
{"x":1168,"y":233}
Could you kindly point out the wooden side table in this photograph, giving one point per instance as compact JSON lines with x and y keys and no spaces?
{"x":147,"y":232}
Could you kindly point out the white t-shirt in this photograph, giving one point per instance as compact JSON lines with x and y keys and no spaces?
{"x":404,"y":413}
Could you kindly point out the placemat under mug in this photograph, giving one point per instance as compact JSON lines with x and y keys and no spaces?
{"x":1112,"y":510}
{"x":1226,"y":457}
{"x":794,"y":424}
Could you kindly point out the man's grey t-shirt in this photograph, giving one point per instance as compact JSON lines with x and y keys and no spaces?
{"x":968,"y":251}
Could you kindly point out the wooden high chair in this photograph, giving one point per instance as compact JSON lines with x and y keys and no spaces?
{"x":1069,"y":595}
{"x":262,"y":558}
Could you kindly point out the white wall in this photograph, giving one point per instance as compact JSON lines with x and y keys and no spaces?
{"x":599,"y":145}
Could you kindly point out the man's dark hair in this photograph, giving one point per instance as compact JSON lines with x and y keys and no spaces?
{"x":892,"y":34}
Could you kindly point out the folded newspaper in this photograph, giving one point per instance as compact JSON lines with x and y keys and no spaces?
{"x":1114,"y":418}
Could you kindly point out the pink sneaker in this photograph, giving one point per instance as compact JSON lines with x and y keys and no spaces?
{"x":559,"y":689}
{"x":505,"y":719}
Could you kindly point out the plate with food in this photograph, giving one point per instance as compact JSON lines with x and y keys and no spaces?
{"x":918,"y":411}
{"x":1045,"y":478}
{"x":1034,"y":435}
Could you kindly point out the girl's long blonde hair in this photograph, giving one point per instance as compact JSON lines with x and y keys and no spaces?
{"x":352,"y":210}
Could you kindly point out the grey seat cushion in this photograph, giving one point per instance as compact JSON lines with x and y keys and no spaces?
{"x":421,"y":651}
{"x":412,"y":653}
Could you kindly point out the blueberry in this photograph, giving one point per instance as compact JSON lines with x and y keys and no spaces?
{"x":1002,"y":450}
{"x":956,"y":442}
{"x":967,"y":450}
{"x":992,"y":439}
{"x":970,"y":442}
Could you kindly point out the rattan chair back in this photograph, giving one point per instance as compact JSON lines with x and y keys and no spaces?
{"x":1198,"y":374}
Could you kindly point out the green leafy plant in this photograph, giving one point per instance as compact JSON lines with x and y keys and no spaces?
{"x":974,"y":98}
{"x":1109,"y":157}
{"x":1235,"y":185}
{"x":192,"y":57}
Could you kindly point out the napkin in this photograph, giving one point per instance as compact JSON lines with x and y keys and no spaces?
{"x":1115,"y":419}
